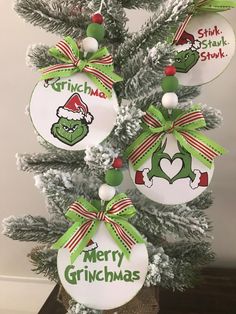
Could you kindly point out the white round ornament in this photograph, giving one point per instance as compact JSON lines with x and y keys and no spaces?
{"x":171,"y":176}
{"x":72,"y":113}
{"x":102,"y":277}
{"x":204,"y":50}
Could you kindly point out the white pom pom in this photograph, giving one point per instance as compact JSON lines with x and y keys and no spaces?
{"x":89,"y":44}
{"x":169,"y":100}
{"x":106,"y":192}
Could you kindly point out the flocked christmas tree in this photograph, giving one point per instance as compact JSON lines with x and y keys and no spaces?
{"x":177,"y":236}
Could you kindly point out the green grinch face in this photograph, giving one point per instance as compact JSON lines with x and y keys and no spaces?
{"x":68,"y":131}
{"x":185,"y":60}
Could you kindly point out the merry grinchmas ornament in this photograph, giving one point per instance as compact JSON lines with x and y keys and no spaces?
{"x":72,"y":113}
{"x":102,"y":259}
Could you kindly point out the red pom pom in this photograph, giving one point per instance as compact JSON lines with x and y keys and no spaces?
{"x":170,"y":70}
{"x":97,"y":18}
{"x":117,"y":163}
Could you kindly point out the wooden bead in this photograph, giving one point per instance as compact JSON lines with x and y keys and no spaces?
{"x":97,"y":18}
{"x":170,"y":70}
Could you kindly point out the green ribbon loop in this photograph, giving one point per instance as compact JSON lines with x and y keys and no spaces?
{"x":98,"y":66}
{"x":87,"y":218}
{"x":183,"y":125}
{"x":213,"y":5}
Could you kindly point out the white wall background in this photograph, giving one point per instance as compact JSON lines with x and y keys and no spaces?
{"x":18,"y":194}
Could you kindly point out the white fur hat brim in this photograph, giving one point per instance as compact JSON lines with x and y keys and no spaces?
{"x":70,"y":115}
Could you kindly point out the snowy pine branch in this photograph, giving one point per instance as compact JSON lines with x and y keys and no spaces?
{"x":44,"y":261}
{"x":53,"y":16}
{"x":144,"y":71}
{"x":203,"y":201}
{"x":157,"y":221}
{"x":162,"y":24}
{"x":175,"y":266}
{"x":37,"y":57}
{"x":61,"y":189}
{"x":35,"y":229}
{"x":41,"y":162}
{"x":77,"y":308}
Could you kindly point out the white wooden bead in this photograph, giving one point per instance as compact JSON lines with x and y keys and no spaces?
{"x":106,"y":192}
{"x":90,"y":44}
{"x":169,"y":100}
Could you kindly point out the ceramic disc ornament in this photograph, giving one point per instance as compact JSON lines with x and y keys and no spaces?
{"x":102,"y":277}
{"x":171,"y":176}
{"x":204,"y":49}
{"x":72,"y":113}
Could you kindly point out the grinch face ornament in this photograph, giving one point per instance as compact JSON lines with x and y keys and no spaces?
{"x":171,"y":176}
{"x":102,"y":277}
{"x":204,"y":49}
{"x":69,"y":112}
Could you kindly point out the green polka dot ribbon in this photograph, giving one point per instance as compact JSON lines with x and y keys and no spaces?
{"x":183,"y":125}
{"x":98,"y":66}
{"x":87,"y":218}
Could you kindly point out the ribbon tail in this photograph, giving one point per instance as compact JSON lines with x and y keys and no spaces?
{"x":124,"y":235}
{"x":217,"y":5}
{"x":200,"y":146}
{"x":59,"y":70}
{"x":143,"y":147}
{"x":104,"y":81}
{"x":77,"y":237}
{"x":66,"y":236}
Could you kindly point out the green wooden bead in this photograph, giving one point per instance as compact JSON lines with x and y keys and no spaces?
{"x":169,"y":84}
{"x":96,"y":31}
{"x":114,"y":177}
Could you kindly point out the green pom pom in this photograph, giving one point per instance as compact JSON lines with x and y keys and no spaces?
{"x":169,"y":84}
{"x":96,"y":31}
{"x":114,"y":177}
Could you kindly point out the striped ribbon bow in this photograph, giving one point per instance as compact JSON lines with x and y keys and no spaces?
{"x":99,"y":67}
{"x":203,"y":6}
{"x":87,"y":218}
{"x":183,"y":125}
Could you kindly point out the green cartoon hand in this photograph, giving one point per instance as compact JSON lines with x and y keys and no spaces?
{"x":186,"y":170}
{"x":156,"y":170}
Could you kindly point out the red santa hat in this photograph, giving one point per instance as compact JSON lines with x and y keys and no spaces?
{"x":75,"y":109}
{"x":90,"y":246}
{"x":185,"y":42}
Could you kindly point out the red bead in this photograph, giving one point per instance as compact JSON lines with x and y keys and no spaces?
{"x":117,"y":163}
{"x":97,"y":18}
{"x":170,"y":70}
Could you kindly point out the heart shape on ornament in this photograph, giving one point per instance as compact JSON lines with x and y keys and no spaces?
{"x":171,"y":167}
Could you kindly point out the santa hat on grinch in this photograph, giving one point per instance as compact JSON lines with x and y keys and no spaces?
{"x":75,"y":109}
{"x":187,"y":41}
{"x":90,"y":246}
